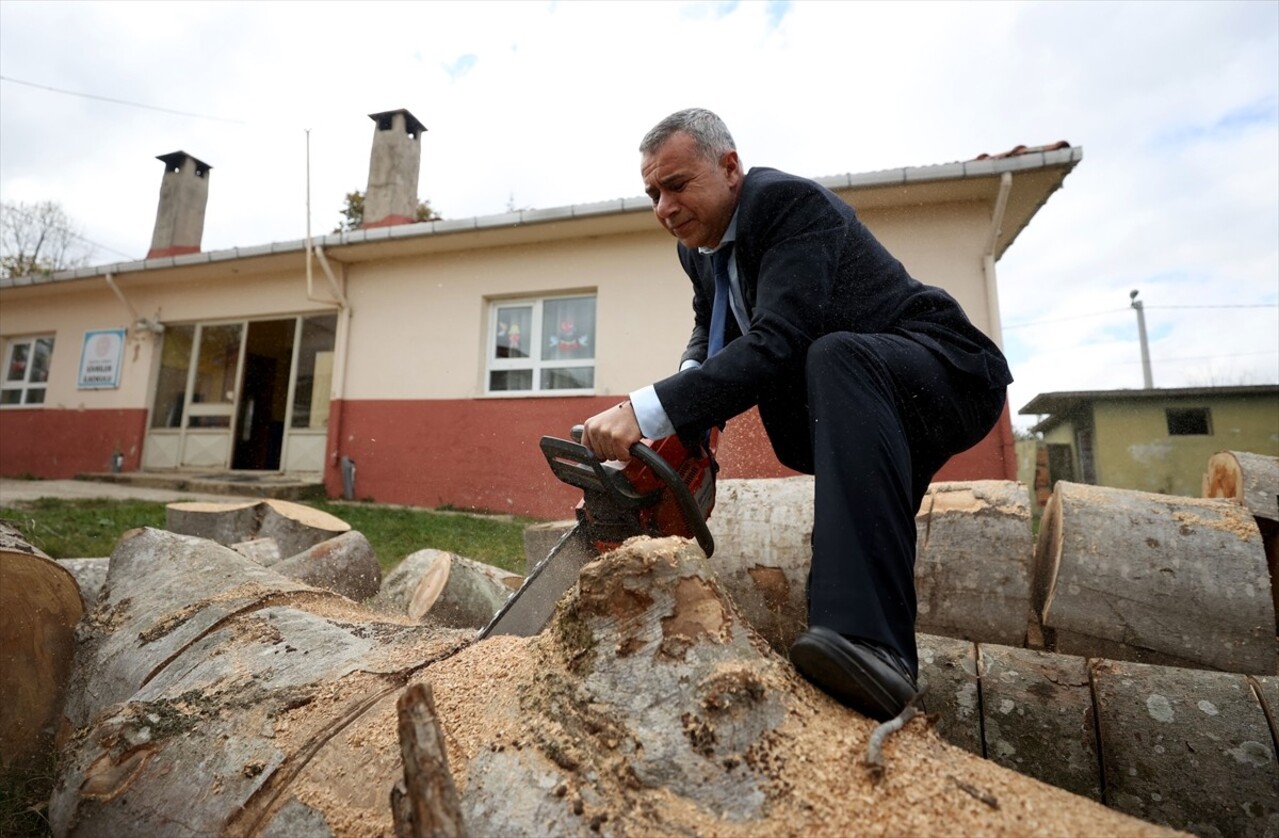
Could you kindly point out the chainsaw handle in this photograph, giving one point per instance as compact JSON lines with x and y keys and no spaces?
{"x":683,"y":497}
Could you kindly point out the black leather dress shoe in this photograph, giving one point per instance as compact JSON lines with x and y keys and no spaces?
{"x":864,"y":676}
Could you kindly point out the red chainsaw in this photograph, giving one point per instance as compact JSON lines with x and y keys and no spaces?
{"x":667,"y":488}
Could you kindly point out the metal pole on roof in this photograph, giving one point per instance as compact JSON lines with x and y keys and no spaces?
{"x":1145,"y":346}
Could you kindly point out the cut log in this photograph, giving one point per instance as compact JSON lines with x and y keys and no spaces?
{"x":294,"y":526}
{"x":89,"y":575}
{"x":972,"y":565}
{"x":948,"y":675}
{"x":40,"y":605}
{"x":1246,"y":478}
{"x":763,"y":533}
{"x":344,"y":564}
{"x":247,"y":692}
{"x":1156,"y":578}
{"x":447,"y":589}
{"x":974,"y":549}
{"x":1188,"y":749}
{"x":226,"y":522}
{"x":1253,"y":481}
{"x":13,"y":541}
{"x":1037,"y":717}
{"x":541,"y":537}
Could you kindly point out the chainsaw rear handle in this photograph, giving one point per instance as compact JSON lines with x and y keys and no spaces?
{"x":683,"y":497}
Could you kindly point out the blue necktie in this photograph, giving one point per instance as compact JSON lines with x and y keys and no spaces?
{"x":719,"y":311}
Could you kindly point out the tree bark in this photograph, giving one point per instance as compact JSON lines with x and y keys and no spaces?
{"x":433,"y":809}
{"x":89,"y":575}
{"x":294,"y":526}
{"x":40,"y":605}
{"x":1191,"y":749}
{"x":1154,"y":578}
{"x":344,"y":564}
{"x":763,"y":533}
{"x":972,"y":564}
{"x":1185,"y":748}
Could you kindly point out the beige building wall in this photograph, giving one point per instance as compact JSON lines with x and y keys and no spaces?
{"x":420,"y":324}
{"x":67,"y":315}
{"x":173,"y":297}
{"x":949,"y":255}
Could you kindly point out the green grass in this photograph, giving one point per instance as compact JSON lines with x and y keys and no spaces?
{"x":67,"y":529}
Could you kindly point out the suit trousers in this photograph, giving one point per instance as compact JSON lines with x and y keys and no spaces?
{"x":873,"y":418}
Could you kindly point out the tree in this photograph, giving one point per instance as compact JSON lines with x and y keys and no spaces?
{"x":353,"y":212}
{"x":39,"y":239}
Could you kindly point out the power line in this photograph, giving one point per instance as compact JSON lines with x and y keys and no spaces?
{"x":1242,"y":305}
{"x":1206,"y":357}
{"x":1008,"y":326}
{"x":118,"y":101}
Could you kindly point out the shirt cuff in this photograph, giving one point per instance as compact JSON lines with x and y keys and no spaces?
{"x":652,"y":418}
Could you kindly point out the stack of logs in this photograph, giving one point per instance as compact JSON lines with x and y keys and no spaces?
{"x":238,"y":689}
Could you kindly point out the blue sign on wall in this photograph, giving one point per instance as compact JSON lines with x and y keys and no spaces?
{"x":101,"y":358}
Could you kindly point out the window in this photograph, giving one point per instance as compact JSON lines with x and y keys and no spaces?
{"x":1189,"y":421}
{"x":540,"y":346}
{"x":26,"y":371}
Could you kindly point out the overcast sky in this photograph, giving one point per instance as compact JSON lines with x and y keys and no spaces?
{"x":537,"y":104}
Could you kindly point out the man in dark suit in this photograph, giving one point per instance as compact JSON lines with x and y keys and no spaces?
{"x":864,"y":377}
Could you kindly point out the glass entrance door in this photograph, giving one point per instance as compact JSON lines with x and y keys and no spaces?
{"x":247,"y":395}
{"x":195,"y":396}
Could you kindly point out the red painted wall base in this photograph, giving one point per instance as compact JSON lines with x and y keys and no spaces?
{"x":484,"y":454}
{"x":58,"y":444}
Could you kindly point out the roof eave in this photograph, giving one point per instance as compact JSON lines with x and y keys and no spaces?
{"x":1065,"y":159}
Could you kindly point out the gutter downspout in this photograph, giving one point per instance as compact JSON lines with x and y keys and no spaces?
{"x":116,"y":288}
{"x":342,"y":342}
{"x":1007,"y":444}
{"x":988,"y":260}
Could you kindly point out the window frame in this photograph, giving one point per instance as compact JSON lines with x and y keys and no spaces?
{"x":25,"y":386}
{"x":534,"y":362}
{"x":1180,"y":418}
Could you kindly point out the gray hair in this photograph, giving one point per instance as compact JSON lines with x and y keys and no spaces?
{"x":707,"y":130}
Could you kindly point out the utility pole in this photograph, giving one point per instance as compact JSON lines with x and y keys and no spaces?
{"x":1145,"y":346}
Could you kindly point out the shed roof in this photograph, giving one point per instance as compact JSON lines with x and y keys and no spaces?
{"x":1059,"y":407}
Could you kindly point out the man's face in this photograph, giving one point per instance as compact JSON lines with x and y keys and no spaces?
{"x":693,"y":197}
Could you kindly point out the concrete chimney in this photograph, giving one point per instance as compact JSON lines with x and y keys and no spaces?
{"x":184,"y":193}
{"x":393,"y":169}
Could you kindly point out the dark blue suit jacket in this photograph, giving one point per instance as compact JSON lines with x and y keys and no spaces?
{"x":808,"y":267}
